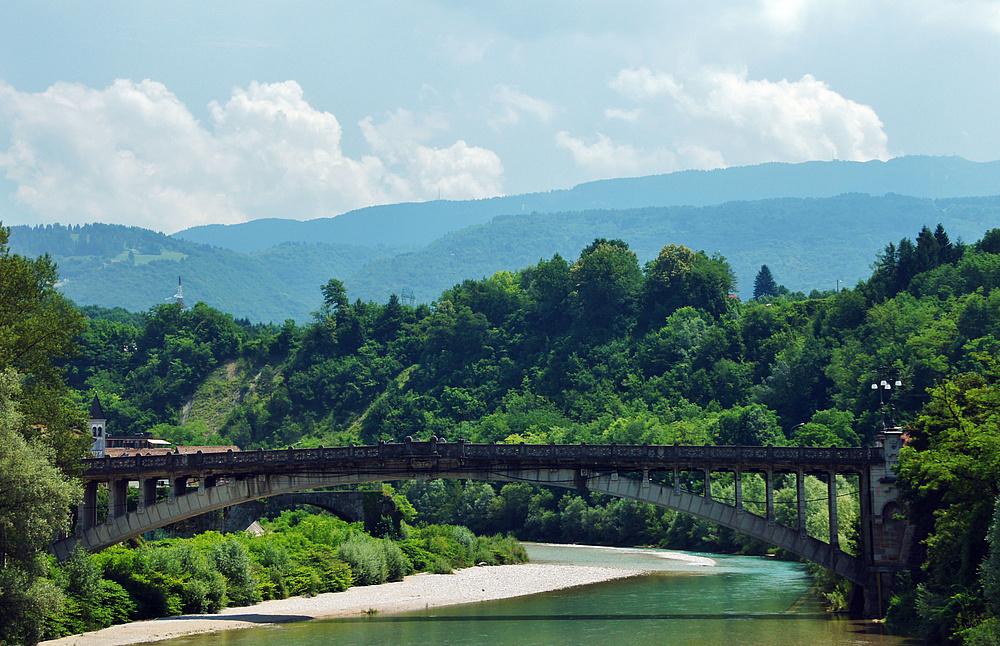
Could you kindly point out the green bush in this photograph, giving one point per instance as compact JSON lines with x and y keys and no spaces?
{"x":464,"y":537}
{"x":420,"y":559}
{"x":397,"y":565}
{"x":304,"y":580}
{"x":232,"y":560}
{"x":441,"y":566}
{"x":366,"y":557}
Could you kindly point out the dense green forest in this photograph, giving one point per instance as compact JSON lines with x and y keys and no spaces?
{"x":603,"y":348}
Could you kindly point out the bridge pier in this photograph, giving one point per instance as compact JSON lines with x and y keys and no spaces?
{"x":769,"y":484}
{"x":178,"y":487}
{"x":886,"y":535}
{"x":831,"y":495}
{"x":739,"y":490}
{"x":147,"y":493}
{"x":86,"y":514}
{"x":800,"y":492}
{"x":117,"y":499}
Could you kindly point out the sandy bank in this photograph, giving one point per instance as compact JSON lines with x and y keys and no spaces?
{"x":415,"y":592}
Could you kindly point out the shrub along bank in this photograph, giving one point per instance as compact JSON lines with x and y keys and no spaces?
{"x":300,"y":554}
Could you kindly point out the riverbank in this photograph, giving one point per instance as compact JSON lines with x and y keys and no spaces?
{"x":415,"y":592}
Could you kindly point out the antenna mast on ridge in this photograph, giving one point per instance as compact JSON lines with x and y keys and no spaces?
{"x":180,"y":293}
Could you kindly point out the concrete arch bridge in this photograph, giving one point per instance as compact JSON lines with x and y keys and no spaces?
{"x":231,"y":478}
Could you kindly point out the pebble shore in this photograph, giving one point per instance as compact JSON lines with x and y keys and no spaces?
{"x":415,"y":592}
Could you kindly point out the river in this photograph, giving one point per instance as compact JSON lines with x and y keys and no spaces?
{"x":742,"y":601}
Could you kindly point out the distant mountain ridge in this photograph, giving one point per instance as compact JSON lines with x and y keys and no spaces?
{"x":808,"y":242}
{"x":417,"y":224}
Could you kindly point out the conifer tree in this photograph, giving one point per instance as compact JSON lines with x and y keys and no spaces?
{"x":763,"y":284}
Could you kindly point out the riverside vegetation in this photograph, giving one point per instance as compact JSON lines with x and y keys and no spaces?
{"x":599,"y":349}
{"x":298,"y":554}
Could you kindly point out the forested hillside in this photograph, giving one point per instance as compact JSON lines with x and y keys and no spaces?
{"x":809,"y":244}
{"x":134,"y":268}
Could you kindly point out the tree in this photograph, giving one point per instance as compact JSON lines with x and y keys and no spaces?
{"x":763,"y":284}
{"x":37,"y":325}
{"x":35,"y":499}
{"x":606,"y":284}
{"x":680,"y":278}
{"x":949,"y":475}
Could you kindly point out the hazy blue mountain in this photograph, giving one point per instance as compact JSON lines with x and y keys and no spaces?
{"x":117,"y":266}
{"x":417,"y":224}
{"x":808,"y":243}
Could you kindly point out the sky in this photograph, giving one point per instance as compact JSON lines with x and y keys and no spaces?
{"x":168,"y":115}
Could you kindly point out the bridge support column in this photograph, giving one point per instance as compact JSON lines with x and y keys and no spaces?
{"x":677,"y":480}
{"x":800,"y":489}
{"x":178,"y":487}
{"x":865,"y":499}
{"x":831,"y":492}
{"x":147,"y":494}
{"x":739,"y":491}
{"x":769,"y":479}
{"x":86,"y":514}
{"x":117,"y":499}
{"x":708,"y":486}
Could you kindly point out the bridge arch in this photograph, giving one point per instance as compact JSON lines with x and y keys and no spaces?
{"x":228,"y":479}
{"x":208,"y":499}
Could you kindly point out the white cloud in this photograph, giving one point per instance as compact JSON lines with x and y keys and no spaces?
{"x":744,"y":121}
{"x":513,"y":103}
{"x":605,"y":158}
{"x":643,"y":83}
{"x":465,"y":52}
{"x":963,"y":15}
{"x":785,"y":15}
{"x":625,"y":115}
{"x":133,"y":153}
{"x":790,"y":120}
{"x":455,"y":173}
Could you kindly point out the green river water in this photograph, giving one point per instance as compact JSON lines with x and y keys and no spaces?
{"x":742,"y":601}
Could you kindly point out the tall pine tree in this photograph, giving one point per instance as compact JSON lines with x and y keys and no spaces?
{"x":763,"y":284}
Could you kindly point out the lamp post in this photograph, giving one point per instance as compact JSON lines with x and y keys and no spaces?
{"x":885,"y":389}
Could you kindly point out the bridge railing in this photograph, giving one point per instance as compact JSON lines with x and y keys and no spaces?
{"x":654,"y":456}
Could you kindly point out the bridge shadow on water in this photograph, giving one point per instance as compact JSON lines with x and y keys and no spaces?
{"x":588,"y":617}
{"x":252,"y":618}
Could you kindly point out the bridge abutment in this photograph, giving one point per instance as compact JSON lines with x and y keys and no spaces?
{"x":886,"y":535}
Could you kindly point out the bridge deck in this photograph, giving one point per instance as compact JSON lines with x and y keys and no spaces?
{"x":435,"y":455}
